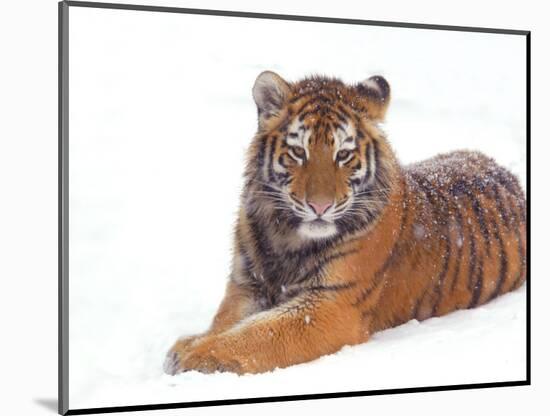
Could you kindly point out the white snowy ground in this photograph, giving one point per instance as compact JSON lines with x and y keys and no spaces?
{"x":161,"y":114}
{"x":474,"y":346}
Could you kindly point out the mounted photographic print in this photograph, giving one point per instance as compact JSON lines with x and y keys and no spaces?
{"x":266,"y":207}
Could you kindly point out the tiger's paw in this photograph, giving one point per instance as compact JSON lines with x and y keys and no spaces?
{"x":180,"y":348}
{"x":210,"y":362}
{"x":206,"y":356}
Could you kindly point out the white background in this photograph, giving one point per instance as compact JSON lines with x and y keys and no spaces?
{"x":29,"y":181}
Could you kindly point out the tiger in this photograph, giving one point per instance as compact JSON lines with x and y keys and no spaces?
{"x":335,"y":240}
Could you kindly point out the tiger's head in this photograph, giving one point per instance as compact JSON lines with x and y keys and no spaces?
{"x":319,"y":164}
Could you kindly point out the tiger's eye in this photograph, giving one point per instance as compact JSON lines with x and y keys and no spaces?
{"x":342,"y":154}
{"x":298,"y":151}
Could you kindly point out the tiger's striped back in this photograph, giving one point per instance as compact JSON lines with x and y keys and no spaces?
{"x":463,"y":238}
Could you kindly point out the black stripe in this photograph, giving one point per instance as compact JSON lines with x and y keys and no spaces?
{"x":501,"y":209}
{"x":476,"y":265}
{"x":443,"y":271}
{"x":368,"y":174}
{"x":322,"y":263}
{"x":460,"y":249}
{"x":503,"y":267}
{"x":336,"y":126}
{"x":262,"y":245}
{"x":478,"y":286}
{"x":304,"y":105}
{"x":323,"y":98}
{"x":341,"y":108}
{"x":295,"y":199}
{"x":367,"y":292}
{"x":518,"y":280}
{"x":319,"y":289}
{"x":376,"y":151}
{"x":516,"y":223}
{"x":332,"y":288}
{"x":473,"y":258}
{"x":340,"y":116}
{"x":282,"y":177}
{"x":478,"y":211}
{"x":342,"y":202}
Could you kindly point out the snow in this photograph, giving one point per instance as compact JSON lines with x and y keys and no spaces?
{"x":462,"y":347}
{"x":161,"y":113}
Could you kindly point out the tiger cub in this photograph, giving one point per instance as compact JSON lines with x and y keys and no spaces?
{"x":336,"y":240}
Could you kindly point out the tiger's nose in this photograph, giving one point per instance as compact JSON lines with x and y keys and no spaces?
{"x":320,"y":207}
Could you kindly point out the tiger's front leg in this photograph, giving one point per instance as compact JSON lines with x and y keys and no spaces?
{"x":238,"y":303}
{"x":299,"y":331}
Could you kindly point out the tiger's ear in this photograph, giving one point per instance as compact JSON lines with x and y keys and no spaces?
{"x":376,"y":93}
{"x":270,"y":92}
